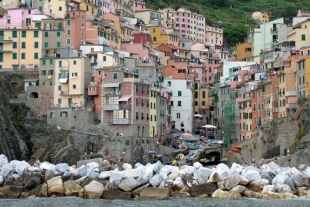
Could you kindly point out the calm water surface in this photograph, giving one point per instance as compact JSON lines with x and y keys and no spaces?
{"x":196,"y":202}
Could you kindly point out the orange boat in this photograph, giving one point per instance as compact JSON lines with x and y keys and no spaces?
{"x":235,"y":149}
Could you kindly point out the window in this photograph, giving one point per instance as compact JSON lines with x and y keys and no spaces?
{"x":59,"y":100}
{"x":115,"y":76}
{"x":137,"y":88}
{"x":203,"y":94}
{"x":23,"y":44}
{"x":45,"y":34}
{"x":68,"y":22}
{"x":303,"y":37}
{"x":8,"y":21}
{"x":179,"y":103}
{"x":171,"y":103}
{"x":74,"y":62}
{"x":36,"y":44}
{"x":82,"y":25}
{"x":14,"y":33}
{"x":29,"y":11}
{"x":68,"y":31}
{"x":60,"y":8}
{"x":51,"y":63}
{"x":179,"y":93}
{"x":60,"y":63}
{"x":154,"y":39}
{"x":14,"y":56}
{"x":74,"y":75}
{"x":58,"y":44}
{"x":203,"y":103}
{"x":36,"y":55}
{"x":58,"y":34}
{"x":46,"y":44}
{"x":169,"y":83}
{"x":14,"y":44}
{"x":68,"y":41}
{"x":43,"y":83}
{"x":24,"y":34}
{"x":51,"y":83}
{"x":74,"y":86}
{"x":178,"y":115}
{"x":35,"y":33}
{"x":43,"y":62}
{"x":104,"y":58}
{"x":23,"y":55}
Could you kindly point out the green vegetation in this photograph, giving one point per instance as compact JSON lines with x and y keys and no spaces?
{"x":300,"y":134}
{"x":19,"y":112}
{"x":127,"y":142}
{"x":234,"y":15}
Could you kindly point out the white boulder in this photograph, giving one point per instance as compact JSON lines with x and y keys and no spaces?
{"x":132,"y":173}
{"x":62,"y":167}
{"x":128,"y":184}
{"x":127,"y":166}
{"x":3,"y":160}
{"x":105,"y":174}
{"x":269,"y":189}
{"x":46,"y":166}
{"x":252,"y":175}
{"x":93,"y":190}
{"x":6,"y":169}
{"x":21,"y":166}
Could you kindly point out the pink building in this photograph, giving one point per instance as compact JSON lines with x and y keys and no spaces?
{"x":75,"y":28}
{"x":121,"y":102}
{"x":20,"y":18}
{"x":210,"y":58}
{"x":139,"y":5}
{"x":182,"y":22}
{"x":140,"y":46}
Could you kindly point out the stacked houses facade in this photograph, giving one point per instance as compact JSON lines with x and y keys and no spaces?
{"x":137,"y":71}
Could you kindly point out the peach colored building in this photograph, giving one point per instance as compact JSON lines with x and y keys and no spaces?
{"x":139,"y":5}
{"x":174,"y":51}
{"x":214,"y":36}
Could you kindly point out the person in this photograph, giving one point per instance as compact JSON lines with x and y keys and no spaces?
{"x":263,"y":161}
{"x":122,"y":157}
{"x":117,"y":134}
{"x":288,"y":151}
{"x":91,"y":155}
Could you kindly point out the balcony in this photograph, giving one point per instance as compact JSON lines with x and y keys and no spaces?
{"x":110,"y":107}
{"x":120,"y":121}
{"x":125,"y":107}
{"x":134,"y":80}
{"x":290,"y":93}
{"x":293,"y":106}
{"x":4,"y":49}
{"x":274,"y":30}
{"x":93,"y":90}
{"x":214,"y":92}
{"x":5,"y":40}
{"x":111,"y":93}
{"x":144,"y":63}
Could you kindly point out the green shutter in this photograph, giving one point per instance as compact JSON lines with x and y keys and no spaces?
{"x":14,"y":33}
{"x":104,"y":58}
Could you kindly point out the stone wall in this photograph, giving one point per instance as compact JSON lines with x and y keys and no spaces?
{"x":270,"y":140}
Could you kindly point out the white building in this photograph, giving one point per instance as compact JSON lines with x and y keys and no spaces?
{"x":181,"y":102}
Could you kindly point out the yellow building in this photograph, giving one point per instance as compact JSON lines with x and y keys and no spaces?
{"x":20,"y":49}
{"x":161,"y":35}
{"x":260,"y":16}
{"x":300,"y":34}
{"x":55,"y":9}
{"x":152,"y":112}
{"x":91,"y":7}
{"x":307,"y":68}
{"x":244,"y":50}
{"x":72,"y":75}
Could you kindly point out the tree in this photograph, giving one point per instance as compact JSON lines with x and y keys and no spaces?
{"x":235,"y":33}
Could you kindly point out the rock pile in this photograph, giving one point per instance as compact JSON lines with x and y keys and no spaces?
{"x":96,"y":180}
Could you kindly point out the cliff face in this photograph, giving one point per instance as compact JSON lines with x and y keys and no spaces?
{"x":13,"y":137}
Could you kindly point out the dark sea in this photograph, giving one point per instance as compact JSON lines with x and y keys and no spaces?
{"x":195,"y":202}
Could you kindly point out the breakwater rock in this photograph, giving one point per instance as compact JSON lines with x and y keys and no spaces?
{"x":95,"y":179}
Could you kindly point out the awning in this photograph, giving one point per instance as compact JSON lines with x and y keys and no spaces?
{"x":124,"y":98}
{"x":111,"y":85}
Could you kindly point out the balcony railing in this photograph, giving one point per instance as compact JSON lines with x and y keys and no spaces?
{"x":214,"y":92}
{"x":124,"y":107}
{"x":290,"y":93}
{"x":135,"y":80}
{"x":120,"y":121}
{"x":111,"y":107}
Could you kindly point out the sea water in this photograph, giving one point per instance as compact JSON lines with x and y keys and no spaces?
{"x":195,"y":202}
